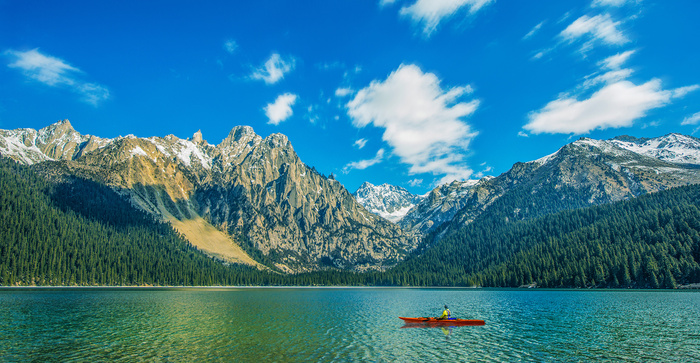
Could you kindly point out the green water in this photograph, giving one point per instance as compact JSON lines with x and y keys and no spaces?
{"x":294,"y":325}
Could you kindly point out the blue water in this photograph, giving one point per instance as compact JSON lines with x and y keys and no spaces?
{"x":296,"y":324}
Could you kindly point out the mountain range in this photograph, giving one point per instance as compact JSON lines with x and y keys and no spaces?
{"x":251,"y":200}
{"x":246,"y":195}
{"x":583,"y":173}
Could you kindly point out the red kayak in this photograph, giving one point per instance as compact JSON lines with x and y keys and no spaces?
{"x":436,"y":321}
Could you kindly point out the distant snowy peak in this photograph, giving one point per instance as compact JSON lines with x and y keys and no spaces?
{"x":673,"y":148}
{"x":387,"y":201}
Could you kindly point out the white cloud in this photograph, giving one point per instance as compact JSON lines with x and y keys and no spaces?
{"x":46,"y":69}
{"x":614,"y":74}
{"x":274,"y":69}
{"x":312,"y":114}
{"x":364,"y":164}
{"x":431,"y":12}
{"x":541,"y":53}
{"x":692,"y":120}
{"x":616,"y":105}
{"x":55,"y":72}
{"x":682,"y":91}
{"x":360,"y":143}
{"x":422,"y":122}
{"x":281,"y":109}
{"x":534,"y":30}
{"x":383,"y":3}
{"x":342,"y":92}
{"x":93,"y":93}
{"x":603,"y":3}
{"x":616,"y":61}
{"x":599,"y":27}
{"x":607,"y":77}
{"x":483,"y":173}
{"x":230,"y":46}
{"x":415,"y":182}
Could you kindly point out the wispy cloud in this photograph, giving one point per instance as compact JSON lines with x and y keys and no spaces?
{"x":611,"y":71}
{"x":606,"y":3}
{"x":364,"y":164}
{"x":682,"y":91}
{"x":429,"y":13}
{"x":281,"y":109}
{"x":230,"y":46}
{"x":274,"y":69}
{"x":597,"y":29}
{"x":606,"y":98}
{"x":692,"y":120}
{"x":360,"y":143}
{"x":616,"y":61}
{"x":533,"y":31}
{"x":415,"y":182}
{"x":423,"y":123}
{"x":342,"y":92}
{"x":54,"y":72}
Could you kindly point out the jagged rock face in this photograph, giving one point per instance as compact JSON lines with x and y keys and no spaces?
{"x":58,"y":141}
{"x":255,"y":189}
{"x":585,"y":172}
{"x":387,"y":201}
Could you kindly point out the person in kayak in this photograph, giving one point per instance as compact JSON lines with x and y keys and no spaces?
{"x":445,"y":314}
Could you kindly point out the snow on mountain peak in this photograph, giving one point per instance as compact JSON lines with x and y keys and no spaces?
{"x":387,"y":201}
{"x":673,"y":148}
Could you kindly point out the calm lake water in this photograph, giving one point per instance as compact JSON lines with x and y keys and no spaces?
{"x":346,"y":324}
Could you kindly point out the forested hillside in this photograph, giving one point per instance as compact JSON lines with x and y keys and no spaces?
{"x":72,"y":231}
{"x":650,"y":241}
{"x":80,"y":233}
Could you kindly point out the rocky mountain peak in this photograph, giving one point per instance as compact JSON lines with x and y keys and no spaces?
{"x":57,"y":130}
{"x":241,"y":134}
{"x":197,"y":138}
{"x":278,"y":140}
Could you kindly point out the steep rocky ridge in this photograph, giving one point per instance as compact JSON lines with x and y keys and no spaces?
{"x":248,"y":191}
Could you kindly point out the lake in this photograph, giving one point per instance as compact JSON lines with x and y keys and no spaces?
{"x":345,"y":324}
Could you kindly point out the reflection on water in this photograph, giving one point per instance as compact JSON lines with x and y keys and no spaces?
{"x":289,"y":325}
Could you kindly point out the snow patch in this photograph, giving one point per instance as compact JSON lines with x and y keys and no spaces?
{"x":138,"y":151}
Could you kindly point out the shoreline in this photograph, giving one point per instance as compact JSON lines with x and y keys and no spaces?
{"x":690,"y":287}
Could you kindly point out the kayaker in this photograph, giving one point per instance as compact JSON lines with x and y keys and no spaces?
{"x":445,"y":314}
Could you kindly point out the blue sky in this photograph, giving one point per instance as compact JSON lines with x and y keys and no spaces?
{"x":413,"y":93}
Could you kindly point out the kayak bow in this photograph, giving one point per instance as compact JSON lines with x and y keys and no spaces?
{"x":435,"y":321}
